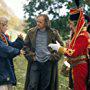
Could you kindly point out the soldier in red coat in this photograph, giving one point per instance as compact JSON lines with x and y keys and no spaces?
{"x":77,"y":50}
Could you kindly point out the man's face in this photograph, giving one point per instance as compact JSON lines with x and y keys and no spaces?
{"x":71,"y":25}
{"x":41,"y":22}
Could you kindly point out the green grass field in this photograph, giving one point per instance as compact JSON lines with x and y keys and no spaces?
{"x":20,"y":70}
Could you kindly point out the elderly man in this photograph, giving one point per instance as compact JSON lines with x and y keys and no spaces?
{"x":8,"y":50}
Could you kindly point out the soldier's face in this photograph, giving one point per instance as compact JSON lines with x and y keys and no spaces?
{"x":71,"y":25}
{"x":41,"y":22}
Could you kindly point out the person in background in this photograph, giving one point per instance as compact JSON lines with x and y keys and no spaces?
{"x":42,"y":61}
{"x":8,"y":50}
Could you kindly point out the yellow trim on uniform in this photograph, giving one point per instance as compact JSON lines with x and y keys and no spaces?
{"x":69,"y":52}
{"x":62,"y":50}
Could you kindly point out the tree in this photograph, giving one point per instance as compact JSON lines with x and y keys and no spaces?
{"x":57,"y":10}
{"x":87,"y":2}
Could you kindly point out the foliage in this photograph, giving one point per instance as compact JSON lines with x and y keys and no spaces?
{"x":14,"y":21}
{"x":20,"y":69}
{"x":59,"y":19}
{"x":62,"y":25}
{"x":87,"y":2}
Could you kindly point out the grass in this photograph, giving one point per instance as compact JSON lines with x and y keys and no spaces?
{"x":20,"y":70}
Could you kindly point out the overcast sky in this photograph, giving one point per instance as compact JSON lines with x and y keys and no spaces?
{"x":16,"y":6}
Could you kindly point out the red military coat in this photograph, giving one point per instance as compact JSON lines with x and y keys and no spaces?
{"x":77,"y":54}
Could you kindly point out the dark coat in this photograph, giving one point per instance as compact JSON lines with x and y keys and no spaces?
{"x":29,"y":47}
{"x":7,"y":53}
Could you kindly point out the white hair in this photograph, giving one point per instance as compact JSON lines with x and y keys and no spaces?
{"x":3,"y":20}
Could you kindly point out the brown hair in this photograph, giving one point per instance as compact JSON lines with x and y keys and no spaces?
{"x":46,"y":18}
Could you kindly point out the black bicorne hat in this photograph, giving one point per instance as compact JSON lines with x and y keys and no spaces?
{"x":75,"y":12}
{"x":74,"y":17}
{"x":77,"y":3}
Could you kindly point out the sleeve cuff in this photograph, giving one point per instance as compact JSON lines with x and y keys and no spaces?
{"x":62,"y":50}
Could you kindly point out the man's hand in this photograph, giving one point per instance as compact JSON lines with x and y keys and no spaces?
{"x":20,"y":36}
{"x":55,"y":46}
